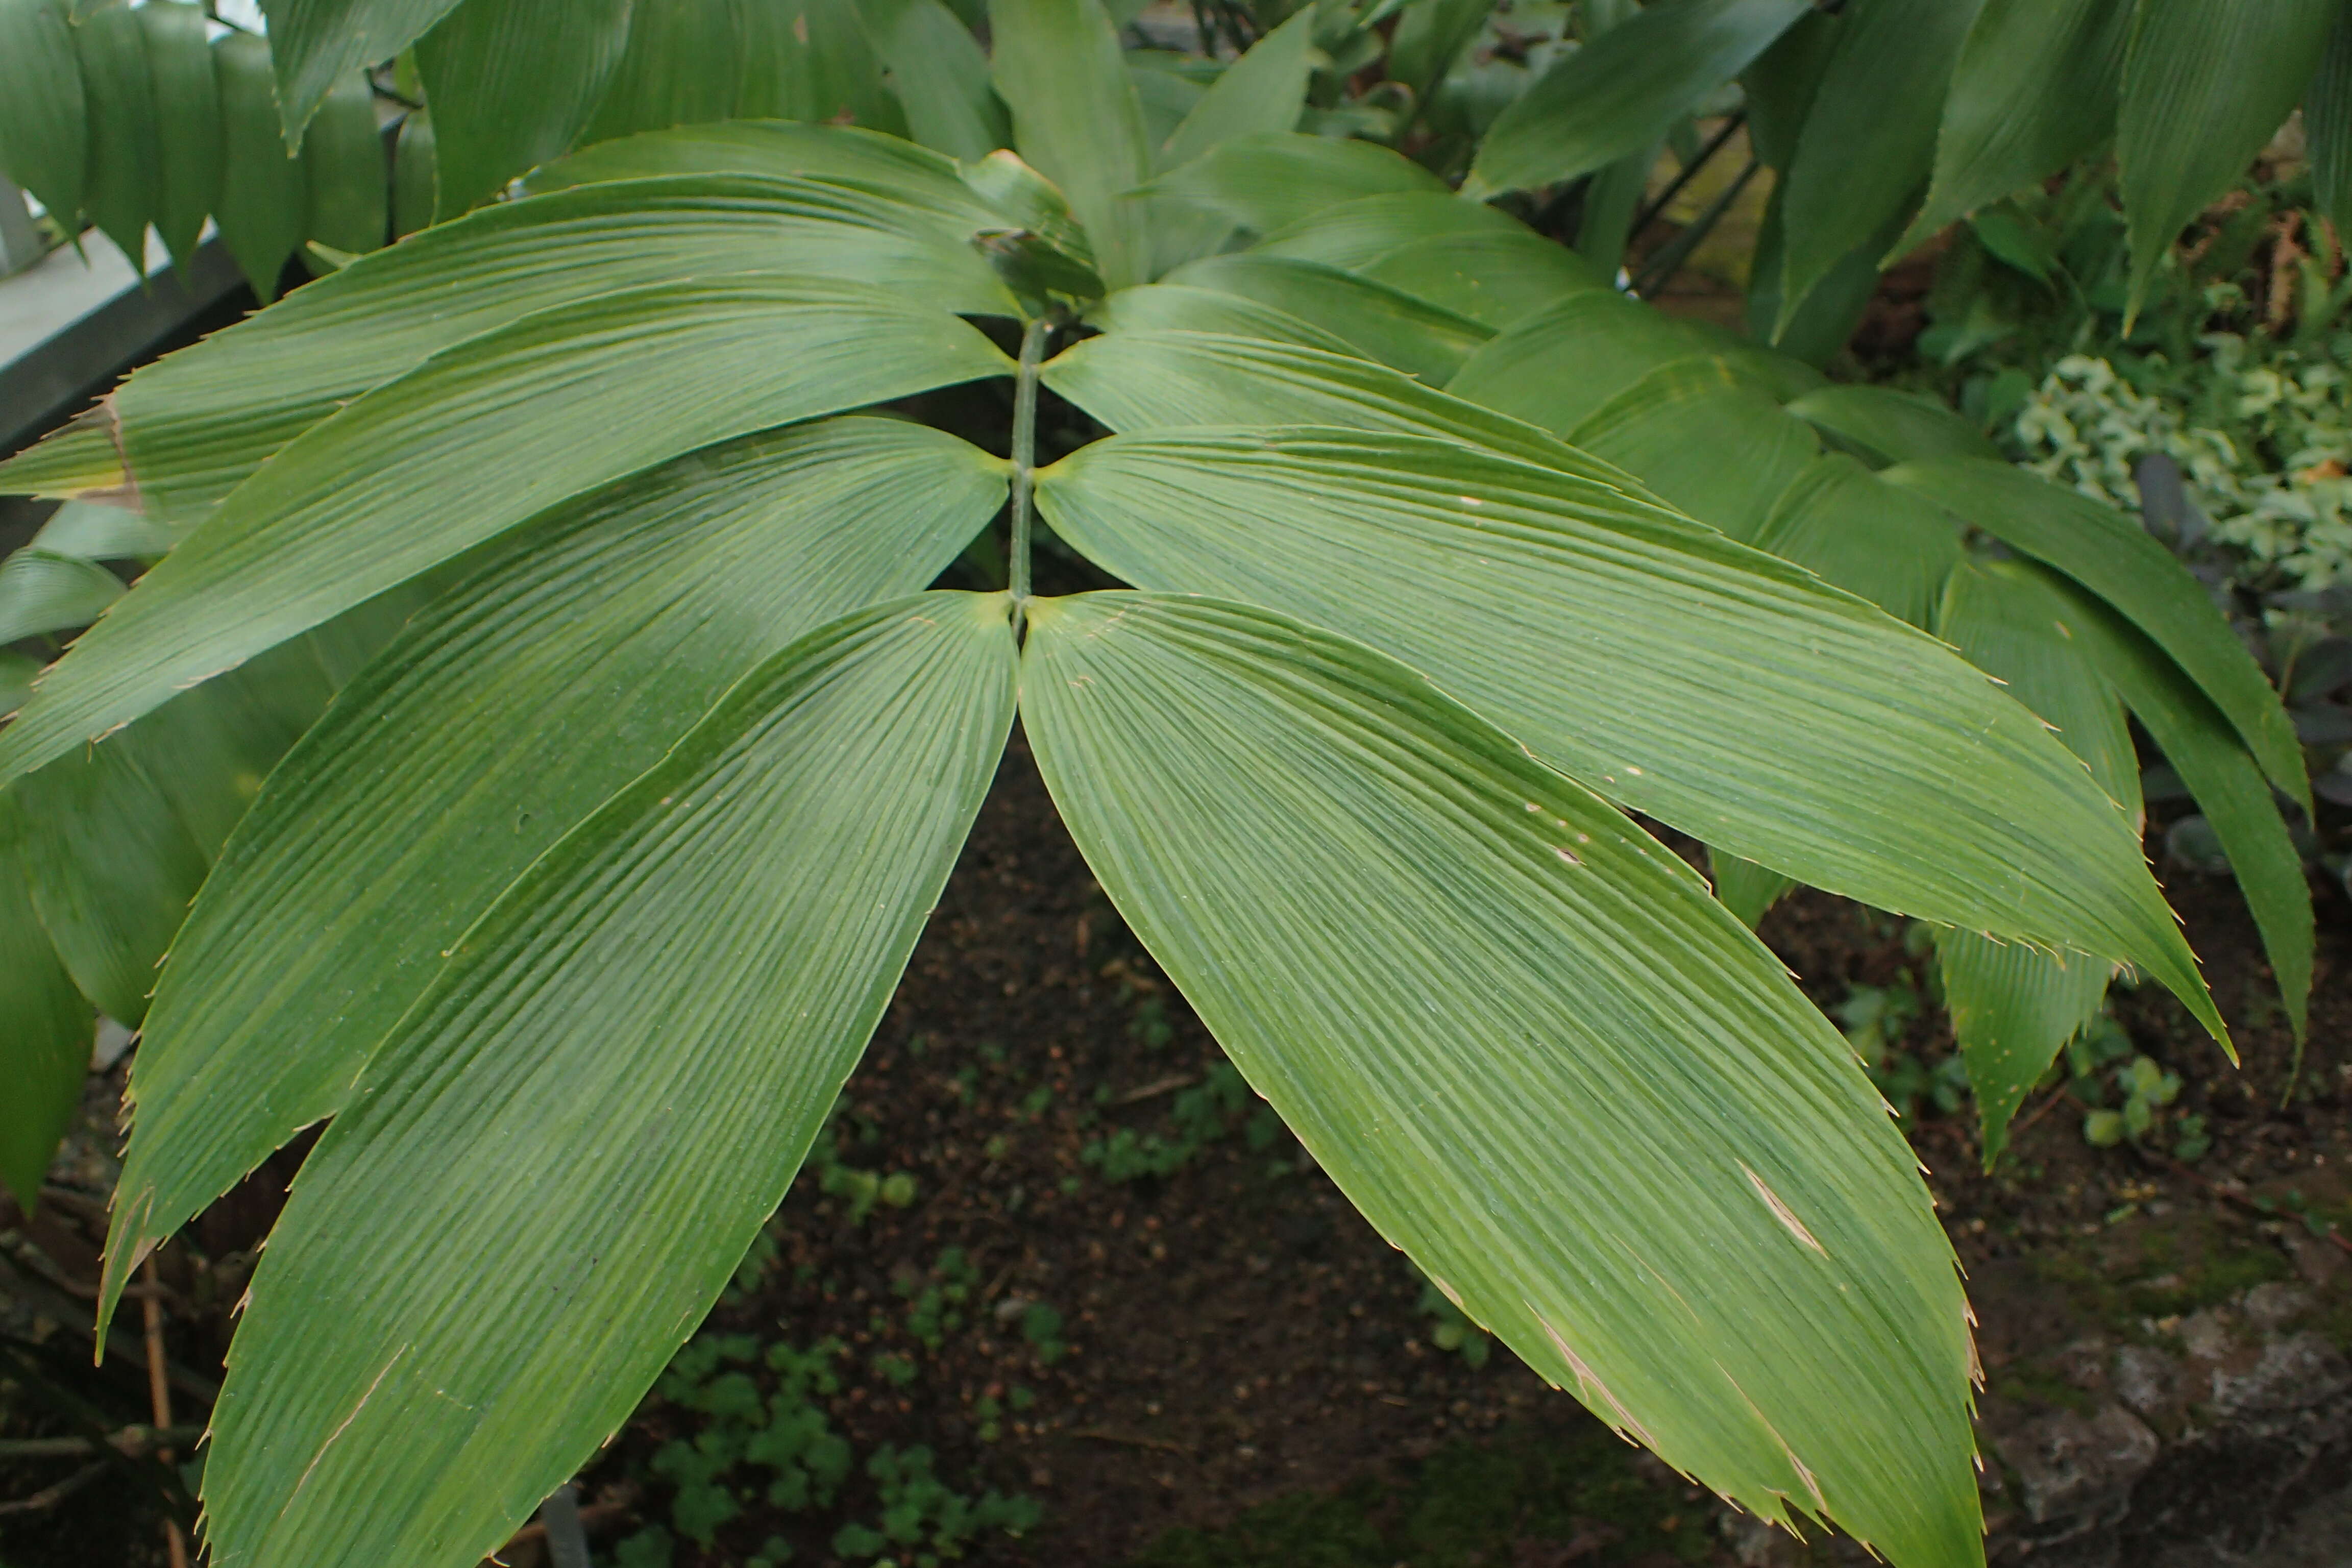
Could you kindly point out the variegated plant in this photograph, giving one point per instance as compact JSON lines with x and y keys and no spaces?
{"x":577,"y":907}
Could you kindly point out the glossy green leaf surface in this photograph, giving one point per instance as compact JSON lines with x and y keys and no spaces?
{"x":1579,"y":1117}
{"x":942,"y":77}
{"x":1379,"y":321}
{"x":1271,"y":180}
{"x":319,"y":42}
{"x":2229,"y":786}
{"x":265,"y":207}
{"x":44,"y":1038}
{"x":2205,"y":84}
{"x":2013,"y":1007}
{"x":1620,"y":92}
{"x":822,"y":55}
{"x":1869,"y":141}
{"x":44,"y":591}
{"x":1869,"y":538}
{"x":1886,"y":426}
{"x":1556,"y":368}
{"x":1075,"y":119}
{"x":2113,"y":556}
{"x":1652,"y":429}
{"x":1660,"y":664}
{"x":2035,"y":88}
{"x":197,"y":424}
{"x":123,"y":171}
{"x":512,"y":84}
{"x":476,"y":441}
{"x":626,"y":1057}
{"x":43,"y":135}
{"x":343,"y":171}
{"x":600,"y":634}
{"x":1151,"y":379}
{"x":187,"y":121}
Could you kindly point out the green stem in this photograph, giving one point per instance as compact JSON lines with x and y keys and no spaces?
{"x":1024,"y":459}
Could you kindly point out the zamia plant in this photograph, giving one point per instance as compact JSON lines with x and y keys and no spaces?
{"x":136,"y":116}
{"x":574,"y":909}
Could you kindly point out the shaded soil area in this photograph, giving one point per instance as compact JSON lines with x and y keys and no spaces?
{"x":1057,"y":1289}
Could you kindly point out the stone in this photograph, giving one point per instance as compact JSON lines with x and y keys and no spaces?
{"x":2271,"y":1307}
{"x":2147,"y":1380}
{"x":2075,"y":1472}
{"x":2300,"y":1371}
{"x":2206,"y":1334}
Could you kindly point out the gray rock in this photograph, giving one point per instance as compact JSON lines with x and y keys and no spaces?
{"x":2300,"y":1371}
{"x":2147,"y":1380}
{"x":2075,"y":1472}
{"x":2206,"y":1334}
{"x":2271,"y":1307}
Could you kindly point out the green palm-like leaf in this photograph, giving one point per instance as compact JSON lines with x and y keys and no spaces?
{"x":1754,"y":450}
{"x":598,"y":1101}
{"x":318,"y":43}
{"x":1559,"y":367}
{"x":488,"y":433}
{"x":44,"y":134}
{"x":2012,"y":1008}
{"x":1869,"y":141}
{"x":114,"y":842}
{"x":599,"y":635}
{"x":682,"y":65}
{"x":1886,"y":544}
{"x":1181,"y":308}
{"x":2225,"y":779}
{"x":1622,"y":91}
{"x":1884,"y":425}
{"x":1654,"y":661}
{"x":43,"y":590}
{"x":774,"y":148}
{"x":2035,"y":89}
{"x":2205,"y":84}
{"x":124,"y":168}
{"x":1271,"y":180}
{"x":264,"y":210}
{"x":1076,"y":118}
{"x":196,"y":425}
{"x":1577,"y":1117}
{"x":2327,"y":125}
{"x":45,"y":1038}
{"x":512,"y":84}
{"x":2117,"y":560}
{"x":1378,"y":321}
{"x":1153,"y":378}
{"x":344,"y":171}
{"x":187,"y":121}
{"x":942,"y":77}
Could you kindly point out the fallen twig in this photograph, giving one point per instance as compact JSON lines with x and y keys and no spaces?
{"x":1156,"y":1087}
{"x":49,"y":1497}
{"x":130,"y":1440}
{"x":1164,"y":1444}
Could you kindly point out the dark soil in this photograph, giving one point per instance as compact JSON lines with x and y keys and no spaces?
{"x":1221,"y":1363}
